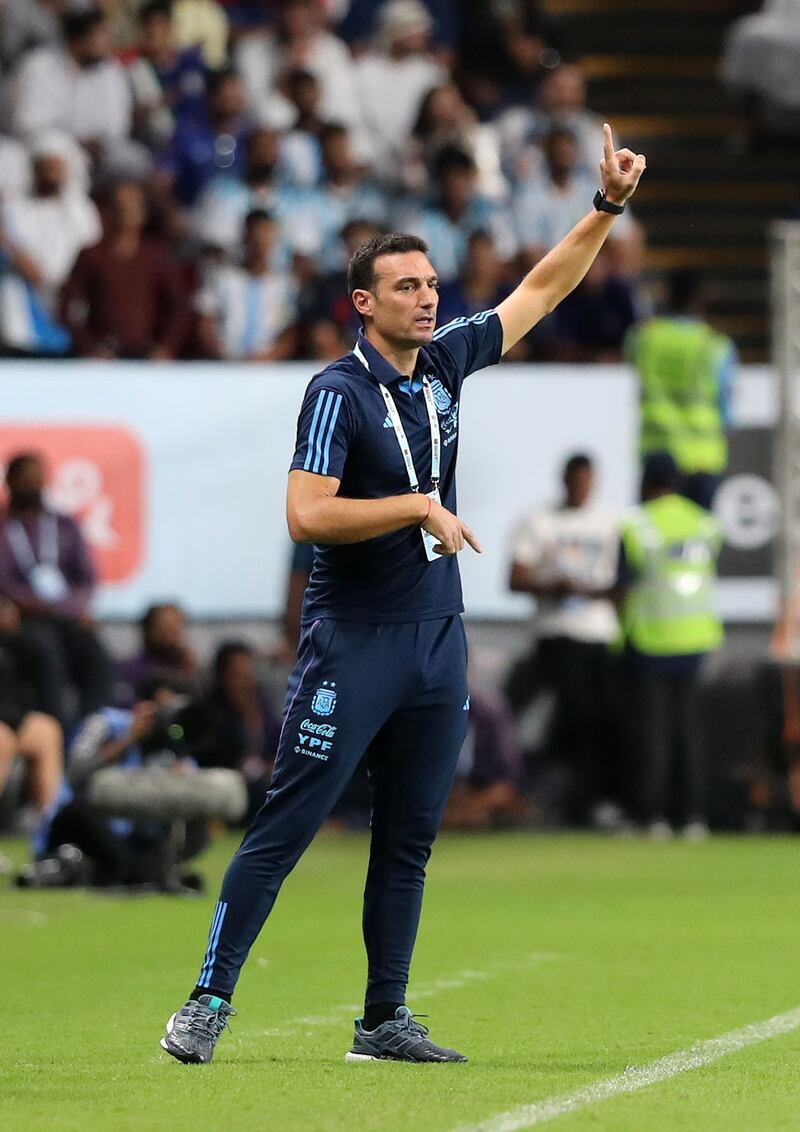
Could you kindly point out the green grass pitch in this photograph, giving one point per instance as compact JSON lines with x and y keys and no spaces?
{"x":554,"y":962}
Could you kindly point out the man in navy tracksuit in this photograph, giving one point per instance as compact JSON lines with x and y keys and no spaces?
{"x":382,"y":663}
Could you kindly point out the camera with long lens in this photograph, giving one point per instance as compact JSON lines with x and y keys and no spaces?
{"x":167,"y":736}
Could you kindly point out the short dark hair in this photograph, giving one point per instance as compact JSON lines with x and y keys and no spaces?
{"x":332,"y":130}
{"x":256,"y":133}
{"x":153,"y":8}
{"x":558,"y":132}
{"x":77,"y":25}
{"x":479,"y":236}
{"x":218,"y":78}
{"x":361,"y":269}
{"x":660,"y":471}
{"x":299,"y":75}
{"x":360,"y":222}
{"x":453,"y":159}
{"x":225,"y":654}
{"x":685,"y":288}
{"x":577,"y":463}
{"x":256,"y":216}
{"x":19,"y":461}
{"x":152,"y":613}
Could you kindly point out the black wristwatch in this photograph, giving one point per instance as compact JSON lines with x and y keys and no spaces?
{"x":603,"y":205}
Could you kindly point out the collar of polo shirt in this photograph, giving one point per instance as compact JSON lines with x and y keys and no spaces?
{"x":385,"y":373}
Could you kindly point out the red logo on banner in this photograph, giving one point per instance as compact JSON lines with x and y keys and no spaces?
{"x":95,"y":474}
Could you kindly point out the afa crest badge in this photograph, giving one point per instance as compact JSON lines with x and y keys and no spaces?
{"x":324,"y":700}
{"x":441,"y":397}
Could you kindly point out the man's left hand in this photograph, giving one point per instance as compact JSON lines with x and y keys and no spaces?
{"x":620,"y":170}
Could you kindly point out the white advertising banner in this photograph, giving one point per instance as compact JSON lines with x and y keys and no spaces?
{"x":178,"y":473}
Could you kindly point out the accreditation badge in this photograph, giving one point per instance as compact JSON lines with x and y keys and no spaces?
{"x":429,"y":541}
{"x":48,"y":583}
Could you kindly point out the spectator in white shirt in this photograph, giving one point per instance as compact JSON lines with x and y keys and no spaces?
{"x":219,"y":214}
{"x":248,"y":313}
{"x":168,"y":82}
{"x":42,"y":235}
{"x":445,"y":119}
{"x":561,"y":103}
{"x":393,"y":78}
{"x":564,"y":556}
{"x":546,"y":208}
{"x":457,"y":211}
{"x":312,"y":218}
{"x":301,"y":156}
{"x":78,"y":88}
{"x":299,"y":41}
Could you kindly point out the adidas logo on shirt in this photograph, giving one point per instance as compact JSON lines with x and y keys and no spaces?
{"x":388,"y":422}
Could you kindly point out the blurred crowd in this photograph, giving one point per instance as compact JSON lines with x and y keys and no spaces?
{"x":187,"y":178}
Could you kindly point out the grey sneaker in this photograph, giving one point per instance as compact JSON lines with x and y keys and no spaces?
{"x":401,"y":1039}
{"x":194,"y":1031}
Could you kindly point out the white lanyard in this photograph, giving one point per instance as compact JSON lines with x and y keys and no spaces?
{"x":23,"y":550}
{"x":400,"y":432}
{"x":402,"y":439}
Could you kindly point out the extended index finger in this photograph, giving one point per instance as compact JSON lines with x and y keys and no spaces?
{"x":471,"y":539}
{"x":608,"y":142}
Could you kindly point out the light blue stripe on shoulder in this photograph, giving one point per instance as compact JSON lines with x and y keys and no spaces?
{"x":448,"y":326}
{"x":331,"y":426}
{"x":477,"y":319}
{"x":313,"y":429}
{"x":326,"y":412}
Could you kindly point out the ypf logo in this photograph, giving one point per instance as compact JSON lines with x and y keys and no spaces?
{"x":96,"y":474}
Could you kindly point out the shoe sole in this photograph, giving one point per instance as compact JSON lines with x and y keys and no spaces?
{"x":178,"y":1054}
{"x":352,"y":1058}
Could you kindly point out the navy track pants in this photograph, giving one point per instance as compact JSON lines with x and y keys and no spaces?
{"x":398,"y":691}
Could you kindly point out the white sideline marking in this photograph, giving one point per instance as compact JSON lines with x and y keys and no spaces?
{"x":424,"y":990}
{"x":640,"y":1077}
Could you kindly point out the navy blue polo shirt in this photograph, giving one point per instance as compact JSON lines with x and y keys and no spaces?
{"x":345,"y":431}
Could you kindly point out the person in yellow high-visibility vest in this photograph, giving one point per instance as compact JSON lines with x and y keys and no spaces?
{"x":666,"y":593}
{"x":684,"y":368}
